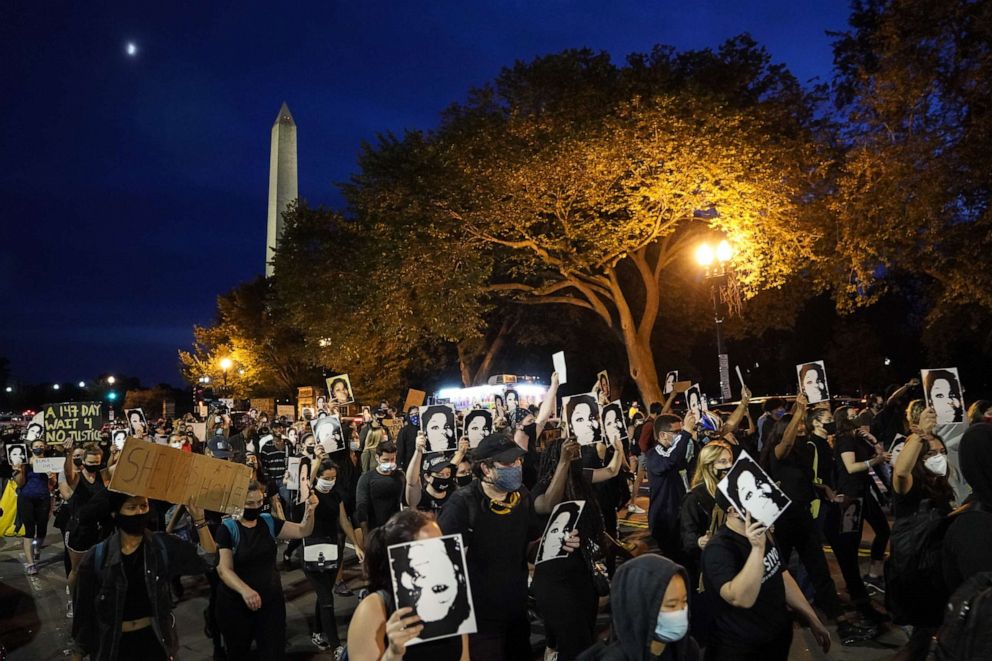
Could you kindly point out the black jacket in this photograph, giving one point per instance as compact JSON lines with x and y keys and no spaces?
{"x":98,"y":605}
{"x":406,"y":443}
{"x":694,"y":517}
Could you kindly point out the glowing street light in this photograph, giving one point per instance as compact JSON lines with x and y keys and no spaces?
{"x":714,"y":263}
{"x":704,"y":254}
{"x":55,"y":386}
{"x":225,"y":364}
{"x":10,"y":389}
{"x":82,"y":384}
{"x":723,"y":251}
{"x":111,"y":380}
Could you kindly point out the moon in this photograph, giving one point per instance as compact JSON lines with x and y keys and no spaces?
{"x":131,"y":49}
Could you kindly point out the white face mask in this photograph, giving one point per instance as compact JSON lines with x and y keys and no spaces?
{"x":387,"y":467}
{"x":936,"y":464}
{"x":324,"y":485}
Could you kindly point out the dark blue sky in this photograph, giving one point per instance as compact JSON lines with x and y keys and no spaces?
{"x":133,"y":190}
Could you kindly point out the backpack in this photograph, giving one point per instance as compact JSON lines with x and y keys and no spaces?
{"x":232,"y":527}
{"x":967,"y":633}
{"x":915,"y":592}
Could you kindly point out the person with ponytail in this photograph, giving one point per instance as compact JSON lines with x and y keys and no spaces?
{"x":123,"y":602}
{"x":379,"y":630}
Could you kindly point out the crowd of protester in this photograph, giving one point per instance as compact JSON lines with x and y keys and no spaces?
{"x":720,"y":585}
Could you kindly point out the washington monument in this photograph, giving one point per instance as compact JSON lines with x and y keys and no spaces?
{"x":283,"y":187}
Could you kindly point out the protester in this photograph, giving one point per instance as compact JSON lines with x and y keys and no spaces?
{"x":748,"y":589}
{"x":432,"y":492}
{"x":528,"y":429}
{"x":34,"y":502}
{"x":667,"y":466}
{"x":969,"y":537}
{"x":773,"y":410}
{"x":89,"y":522}
{"x":496,"y":516}
{"x":406,"y":439}
{"x":379,"y":630}
{"x":330,"y":521}
{"x":274,"y":457}
{"x":650,"y":612}
{"x":980,"y":411}
{"x":696,"y":510}
{"x":379,"y":490}
{"x":375,"y":436}
{"x":122,"y":603}
{"x":250,"y":603}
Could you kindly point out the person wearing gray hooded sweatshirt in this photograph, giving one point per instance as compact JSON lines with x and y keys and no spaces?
{"x":650,"y":602}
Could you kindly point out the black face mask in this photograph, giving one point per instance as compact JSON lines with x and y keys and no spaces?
{"x":133,"y":524}
{"x":91,"y":468}
{"x":830,"y":428}
{"x":77,"y":461}
{"x":463,"y":480}
{"x":721,"y":473}
{"x":251,"y":513}
{"x":37,"y":451}
{"x":442,"y":483}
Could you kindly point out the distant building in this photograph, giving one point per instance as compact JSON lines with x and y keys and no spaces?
{"x":283,"y":187}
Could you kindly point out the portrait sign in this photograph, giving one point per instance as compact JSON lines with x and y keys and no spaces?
{"x":694,"y":402}
{"x":813,"y":381}
{"x":431,"y":577}
{"x":582,"y":418}
{"x":117,"y":437}
{"x":670,"y":380}
{"x":35,"y":431}
{"x":164,"y":473}
{"x":603,"y":381}
{"x":942,"y":390}
{"x":439,"y":425}
{"x":17,"y":453}
{"x":751,"y":490}
{"x":614,"y":423}
{"x":79,"y":422}
{"x":563,"y":520}
{"x":328,"y":432}
{"x":339,"y":390}
{"x":293,"y":470}
{"x":477,"y":425}
{"x":136,"y":422}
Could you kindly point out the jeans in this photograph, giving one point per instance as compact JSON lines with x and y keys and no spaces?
{"x":323,"y":607}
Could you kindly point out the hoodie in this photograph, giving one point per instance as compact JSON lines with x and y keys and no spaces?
{"x":637,"y":591}
{"x":968,"y":538}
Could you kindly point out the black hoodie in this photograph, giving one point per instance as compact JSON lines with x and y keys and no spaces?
{"x":969,"y":537}
{"x":637,"y":592}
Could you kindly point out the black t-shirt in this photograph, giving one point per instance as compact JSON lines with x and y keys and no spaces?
{"x":136,"y":602}
{"x":794,"y":473}
{"x":966,"y":547}
{"x":768,"y":619}
{"x":496,"y":544}
{"x":255,"y":559}
{"x":325,"y":523}
{"x":378,"y":496}
{"x":852,"y":484}
{"x":429,"y":503}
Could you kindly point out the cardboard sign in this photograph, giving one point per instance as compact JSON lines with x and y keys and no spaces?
{"x":165,"y":473}
{"x":413,"y":398}
{"x":49,"y":465}
{"x":393,"y":427}
{"x":682,"y":386}
{"x":286,"y":410}
{"x":558,"y":360}
{"x":79,"y":422}
{"x":293,"y":470}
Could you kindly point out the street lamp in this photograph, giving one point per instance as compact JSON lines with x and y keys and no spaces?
{"x":55,"y":386}
{"x":225,"y":364}
{"x":111,"y":380}
{"x":82,"y":384}
{"x":715,"y":263}
{"x":10,"y":388}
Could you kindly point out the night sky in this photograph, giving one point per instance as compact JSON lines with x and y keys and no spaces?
{"x":133,"y":189}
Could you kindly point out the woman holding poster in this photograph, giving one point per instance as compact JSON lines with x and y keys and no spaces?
{"x":34,"y":501}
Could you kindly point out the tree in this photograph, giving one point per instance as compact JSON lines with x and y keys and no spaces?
{"x":573,"y":181}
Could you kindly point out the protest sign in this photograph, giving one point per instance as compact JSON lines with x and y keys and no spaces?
{"x":339,"y":389}
{"x":582,"y":418}
{"x":559,"y":362}
{"x":79,"y":422}
{"x":286,"y":410}
{"x":413,"y":398}
{"x":49,"y":465}
{"x":942,"y":391}
{"x":750,"y":490}
{"x":563,"y":520}
{"x":293,"y":473}
{"x":165,"y":473}
{"x":813,"y":381}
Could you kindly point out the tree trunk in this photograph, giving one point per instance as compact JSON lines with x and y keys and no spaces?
{"x":482,"y":373}
{"x":463,"y":367}
{"x":643,"y":371}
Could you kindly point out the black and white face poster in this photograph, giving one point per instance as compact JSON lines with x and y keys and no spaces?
{"x":750,"y":490}
{"x":477,"y":425}
{"x":563,"y":520}
{"x":136,"y":422}
{"x":327,"y":432}
{"x":694,"y":402}
{"x":431,"y":577}
{"x":813,"y":381}
{"x":118,"y":436}
{"x":339,"y":389}
{"x":942,"y":390}
{"x":603,"y":381}
{"x":17,"y":453}
{"x":439,"y":425}
{"x":582,"y":418}
{"x":614,"y":423}
{"x":670,"y":379}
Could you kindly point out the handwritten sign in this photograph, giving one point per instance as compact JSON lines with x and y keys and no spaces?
{"x":169,"y":474}
{"x":79,"y":422}
{"x":48,"y":465}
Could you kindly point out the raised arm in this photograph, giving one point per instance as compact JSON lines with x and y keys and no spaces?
{"x":413,"y":472}
{"x":783,"y":449}
{"x":902,"y":471}
{"x":742,"y":590}
{"x":548,"y":405}
{"x":897,"y":396}
{"x":735,"y":418}
{"x":304,"y":528}
{"x":70,"y":471}
{"x":546,"y":502}
{"x":613,"y":468}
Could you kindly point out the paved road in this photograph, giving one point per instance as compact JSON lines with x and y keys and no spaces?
{"x":34,"y":627}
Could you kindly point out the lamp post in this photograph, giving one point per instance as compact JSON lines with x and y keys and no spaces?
{"x":225,"y":364}
{"x":715,"y":263}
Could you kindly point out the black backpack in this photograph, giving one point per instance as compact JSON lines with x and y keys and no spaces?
{"x":967,"y":630}
{"x":915,"y":592}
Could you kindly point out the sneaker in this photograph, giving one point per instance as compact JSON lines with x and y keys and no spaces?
{"x":850,"y":633}
{"x":876,"y":583}
{"x":31,"y":569}
{"x":318,"y":641}
{"x":339,"y":653}
{"x":68,"y":610}
{"x":341,"y":588}
{"x":634,"y":509}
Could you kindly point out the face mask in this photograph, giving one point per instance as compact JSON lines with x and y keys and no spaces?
{"x":251,"y":513}
{"x":37,"y":451}
{"x":672,"y":626}
{"x":324,"y":485}
{"x":721,"y":473}
{"x":830,"y":428}
{"x":415,"y":420}
{"x":442,"y":483}
{"x":91,"y":468}
{"x":508,"y":478}
{"x":133,"y":524}
{"x":463,"y":480}
{"x":936,"y":464}
{"x":309,"y":449}
{"x":176,"y":444}
{"x":77,"y":461}
{"x":387,"y":467}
